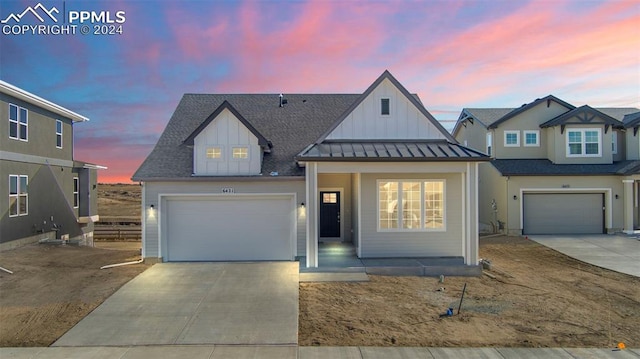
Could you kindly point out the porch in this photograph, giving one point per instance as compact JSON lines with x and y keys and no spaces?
{"x":341,"y":257}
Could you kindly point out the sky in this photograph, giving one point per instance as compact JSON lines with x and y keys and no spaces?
{"x":453,"y":54}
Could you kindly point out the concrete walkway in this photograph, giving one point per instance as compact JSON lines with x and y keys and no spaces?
{"x":197,"y":303}
{"x":285,"y":352}
{"x":620,"y":253}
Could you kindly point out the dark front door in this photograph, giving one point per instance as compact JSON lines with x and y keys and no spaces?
{"x":330,"y":214}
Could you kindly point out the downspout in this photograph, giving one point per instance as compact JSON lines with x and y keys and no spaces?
{"x":122,"y":264}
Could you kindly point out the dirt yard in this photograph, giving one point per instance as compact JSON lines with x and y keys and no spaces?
{"x":54,"y":287}
{"x":539,"y":298}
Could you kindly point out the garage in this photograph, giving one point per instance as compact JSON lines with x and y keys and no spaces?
{"x":229,"y":228}
{"x":563,"y":213}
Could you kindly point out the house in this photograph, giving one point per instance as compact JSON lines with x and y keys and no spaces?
{"x":556,"y":168}
{"x":269,"y":177}
{"x":49,"y":194}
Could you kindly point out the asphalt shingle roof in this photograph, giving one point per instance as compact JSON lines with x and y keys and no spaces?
{"x":290,"y":129}
{"x":542,"y":167}
{"x":583,"y":113}
{"x":631,"y":119}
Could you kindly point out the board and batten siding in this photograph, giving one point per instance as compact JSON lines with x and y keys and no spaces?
{"x":152,"y":190}
{"x":226,"y":132}
{"x":409,"y":243}
{"x":404,"y":121}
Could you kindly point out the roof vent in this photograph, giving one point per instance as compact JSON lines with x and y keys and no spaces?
{"x":283,"y":101}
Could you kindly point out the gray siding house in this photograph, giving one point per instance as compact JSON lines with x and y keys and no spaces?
{"x":47,"y":194}
{"x":270,"y":177}
{"x":556,"y":168}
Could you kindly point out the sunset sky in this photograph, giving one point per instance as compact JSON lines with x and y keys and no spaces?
{"x":453,"y":54}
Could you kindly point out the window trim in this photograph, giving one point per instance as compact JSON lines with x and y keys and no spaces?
{"x":423,"y":209}
{"x":583,"y":142}
{"x":59,"y":134}
{"x":489,"y":144}
{"x":19,"y":123}
{"x":511,"y":132}
{"x":206,"y":153}
{"x":76,"y":192}
{"x":233,"y":154}
{"x":19,"y":196}
{"x":614,"y":142}
{"x":524,"y":137}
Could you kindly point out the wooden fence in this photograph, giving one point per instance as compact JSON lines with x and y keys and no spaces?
{"x":117,"y":232}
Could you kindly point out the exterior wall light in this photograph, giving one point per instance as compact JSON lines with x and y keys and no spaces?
{"x":152,"y":206}
{"x":515,"y":197}
{"x":302,"y":204}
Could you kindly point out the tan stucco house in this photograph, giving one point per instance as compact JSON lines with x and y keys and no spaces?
{"x":269,"y":177}
{"x":556,"y":168}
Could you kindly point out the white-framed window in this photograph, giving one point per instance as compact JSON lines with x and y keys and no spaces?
{"x":489,"y":143}
{"x":584,"y":142}
{"x":58,"y":134}
{"x":511,"y":138}
{"x":76,"y":192}
{"x":531,"y":138}
{"x":18,"y":123}
{"x":422,"y":205}
{"x":240,"y":152}
{"x":614,"y":142}
{"x":18,"y":195}
{"x":385,"y":106}
{"x":214,"y":152}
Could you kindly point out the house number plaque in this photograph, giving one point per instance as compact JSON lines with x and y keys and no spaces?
{"x":228,"y":190}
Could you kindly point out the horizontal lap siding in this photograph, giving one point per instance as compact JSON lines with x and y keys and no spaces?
{"x":153,"y":189}
{"x":412,"y":244}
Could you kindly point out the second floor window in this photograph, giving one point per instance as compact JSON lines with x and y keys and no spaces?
{"x":18,"y":123}
{"x":240,"y":152}
{"x":511,"y":138}
{"x":76,"y":192}
{"x":583,"y":143}
{"x":385,"y":106}
{"x":58,"y":134}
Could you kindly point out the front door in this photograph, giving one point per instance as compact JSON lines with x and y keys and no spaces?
{"x":329,"y":214}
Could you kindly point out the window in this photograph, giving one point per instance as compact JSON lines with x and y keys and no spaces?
{"x":511,"y":138}
{"x":58,"y":134}
{"x":614,"y":142}
{"x":76,"y":193}
{"x":421,"y":205}
{"x":584,"y":143}
{"x":330,"y":197}
{"x":18,"y":123}
{"x":385,"y":106}
{"x":531,"y":138}
{"x":18,"y":195}
{"x":489,"y":143}
{"x":240,"y":152}
{"x":214,"y":152}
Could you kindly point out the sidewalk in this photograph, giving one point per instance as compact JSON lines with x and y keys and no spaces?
{"x":278,"y":352}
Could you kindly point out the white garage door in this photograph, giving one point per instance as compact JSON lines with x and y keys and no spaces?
{"x":229,"y":228}
{"x":563,"y":213}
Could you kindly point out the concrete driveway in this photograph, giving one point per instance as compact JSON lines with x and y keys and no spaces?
{"x":197,"y":303}
{"x":620,"y":253}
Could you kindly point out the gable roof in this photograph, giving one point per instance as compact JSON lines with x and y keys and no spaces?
{"x":585,"y":114}
{"x":526,"y":107}
{"x":290,"y":128}
{"x":226,"y":106}
{"x":484,"y":116}
{"x":631,"y":120}
{"x":386,"y":75}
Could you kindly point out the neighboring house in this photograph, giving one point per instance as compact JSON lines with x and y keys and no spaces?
{"x":47,"y":194}
{"x":556,"y":168}
{"x":268,"y":177}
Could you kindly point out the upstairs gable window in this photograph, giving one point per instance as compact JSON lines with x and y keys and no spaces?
{"x":214,"y":152}
{"x":531,"y":138}
{"x":584,"y":143}
{"x":240,"y":153}
{"x":385,"y":106}
{"x":511,"y":138}
{"x":489,"y":143}
{"x":18,"y":123}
